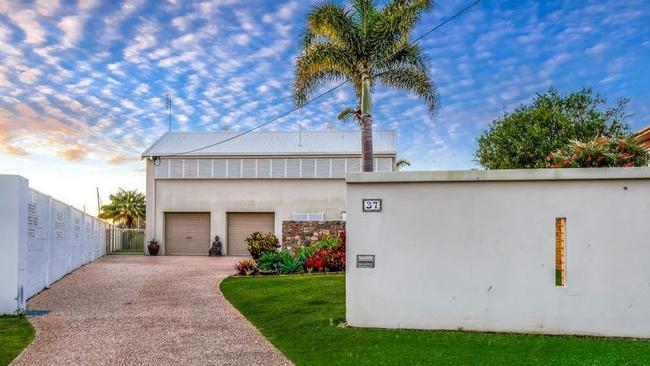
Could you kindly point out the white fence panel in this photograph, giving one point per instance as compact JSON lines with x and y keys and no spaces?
{"x":60,"y":239}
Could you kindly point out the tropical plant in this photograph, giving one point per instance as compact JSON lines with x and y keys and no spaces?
{"x":290,"y":263}
{"x":306,"y":251}
{"x":402,"y":163}
{"x":327,"y":243}
{"x":600,"y":152}
{"x":327,"y":260}
{"x":329,"y":255}
{"x":246,"y":267}
{"x":127,"y":208}
{"x":259,"y":243}
{"x":268,"y":261}
{"x":524,"y":137}
{"x":365,"y":45}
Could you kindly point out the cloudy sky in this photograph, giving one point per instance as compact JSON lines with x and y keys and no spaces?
{"x":82,"y":83}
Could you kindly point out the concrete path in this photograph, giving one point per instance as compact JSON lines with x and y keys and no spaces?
{"x":137,"y":310}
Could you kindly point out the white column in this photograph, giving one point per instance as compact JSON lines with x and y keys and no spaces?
{"x":14,"y":191}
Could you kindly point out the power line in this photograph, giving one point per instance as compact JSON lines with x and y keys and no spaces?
{"x":263,"y":124}
{"x":416,"y":40}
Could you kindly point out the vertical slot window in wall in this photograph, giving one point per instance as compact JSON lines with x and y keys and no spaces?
{"x":560,"y":251}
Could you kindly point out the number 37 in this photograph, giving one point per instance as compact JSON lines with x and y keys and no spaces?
{"x":371,"y":205}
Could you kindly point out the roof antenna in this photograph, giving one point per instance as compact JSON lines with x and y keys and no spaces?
{"x":299,"y":134}
{"x":168,"y":107}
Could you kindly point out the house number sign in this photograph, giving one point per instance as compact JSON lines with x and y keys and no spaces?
{"x":371,"y":205}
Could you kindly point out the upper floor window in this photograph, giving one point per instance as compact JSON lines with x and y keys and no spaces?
{"x":263,"y":168}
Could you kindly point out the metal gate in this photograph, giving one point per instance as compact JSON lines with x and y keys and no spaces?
{"x":124,"y":241}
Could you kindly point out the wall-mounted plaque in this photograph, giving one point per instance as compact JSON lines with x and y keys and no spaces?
{"x":365,"y":261}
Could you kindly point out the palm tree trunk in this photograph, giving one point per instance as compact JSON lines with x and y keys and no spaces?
{"x":366,"y":127}
{"x":366,"y":143}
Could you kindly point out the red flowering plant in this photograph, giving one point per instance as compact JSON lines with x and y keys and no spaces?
{"x":329,"y":257}
{"x":599,"y":152}
{"x":246,"y":267}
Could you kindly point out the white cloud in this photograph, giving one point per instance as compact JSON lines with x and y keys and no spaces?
{"x":47,"y":7}
{"x":29,"y":76}
{"x":72,"y":27}
{"x":28,"y":21}
{"x":285,"y":12}
{"x":241,"y":39}
{"x":88,"y":5}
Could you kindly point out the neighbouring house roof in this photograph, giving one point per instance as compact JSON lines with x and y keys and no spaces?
{"x":643,"y":137}
{"x":271,"y":143}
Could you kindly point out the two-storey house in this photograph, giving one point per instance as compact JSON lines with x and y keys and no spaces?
{"x":204,"y":184}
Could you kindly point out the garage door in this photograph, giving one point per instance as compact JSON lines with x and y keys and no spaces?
{"x":241,"y":225}
{"x":187,"y":233}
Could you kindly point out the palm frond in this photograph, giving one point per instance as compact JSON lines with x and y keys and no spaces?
{"x":395,"y":21}
{"x":349,"y":115}
{"x":334,"y":23}
{"x":320,"y":63}
{"x":365,"y":14}
{"x":415,"y":81}
{"x":403,"y":53}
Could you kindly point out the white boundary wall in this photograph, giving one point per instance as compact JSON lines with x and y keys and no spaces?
{"x":476,"y":250}
{"x":42,"y":240}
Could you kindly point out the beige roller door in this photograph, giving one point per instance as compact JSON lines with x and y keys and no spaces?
{"x":187,"y":233}
{"x":241,"y":225}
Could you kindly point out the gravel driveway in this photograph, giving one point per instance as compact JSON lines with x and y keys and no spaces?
{"x":137,"y":310}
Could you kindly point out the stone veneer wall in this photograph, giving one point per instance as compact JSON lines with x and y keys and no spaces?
{"x":299,"y":233}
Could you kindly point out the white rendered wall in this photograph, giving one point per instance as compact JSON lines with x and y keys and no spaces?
{"x":218,"y":197}
{"x":41,"y":240}
{"x":476,"y":250}
{"x":13,"y":199}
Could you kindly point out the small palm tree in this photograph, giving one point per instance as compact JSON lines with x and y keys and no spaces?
{"x":402,"y":163}
{"x":127,"y":208}
{"x":366,"y":45}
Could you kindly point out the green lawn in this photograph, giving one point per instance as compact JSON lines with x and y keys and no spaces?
{"x":299,"y":314}
{"x":15,"y":334}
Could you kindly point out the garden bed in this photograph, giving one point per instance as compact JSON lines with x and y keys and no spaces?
{"x":325,"y":256}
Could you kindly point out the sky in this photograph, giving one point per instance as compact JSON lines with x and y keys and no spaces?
{"x":83,"y":83}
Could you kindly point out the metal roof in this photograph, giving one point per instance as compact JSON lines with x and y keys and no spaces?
{"x":337,"y":142}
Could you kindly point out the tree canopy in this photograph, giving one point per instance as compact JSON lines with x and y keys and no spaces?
{"x":366,"y":45}
{"x":524,"y":137}
{"x":127,"y":208}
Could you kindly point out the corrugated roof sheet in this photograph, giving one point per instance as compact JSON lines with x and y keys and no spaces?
{"x":271,"y":143}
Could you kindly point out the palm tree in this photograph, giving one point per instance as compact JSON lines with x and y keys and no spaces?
{"x":366,"y":45}
{"x":402,"y":163}
{"x":126,"y":208}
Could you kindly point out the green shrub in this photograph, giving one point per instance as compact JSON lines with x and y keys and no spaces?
{"x":268,"y":261}
{"x":290,"y":263}
{"x":306,"y":252}
{"x":327,"y":243}
{"x":259,"y":243}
